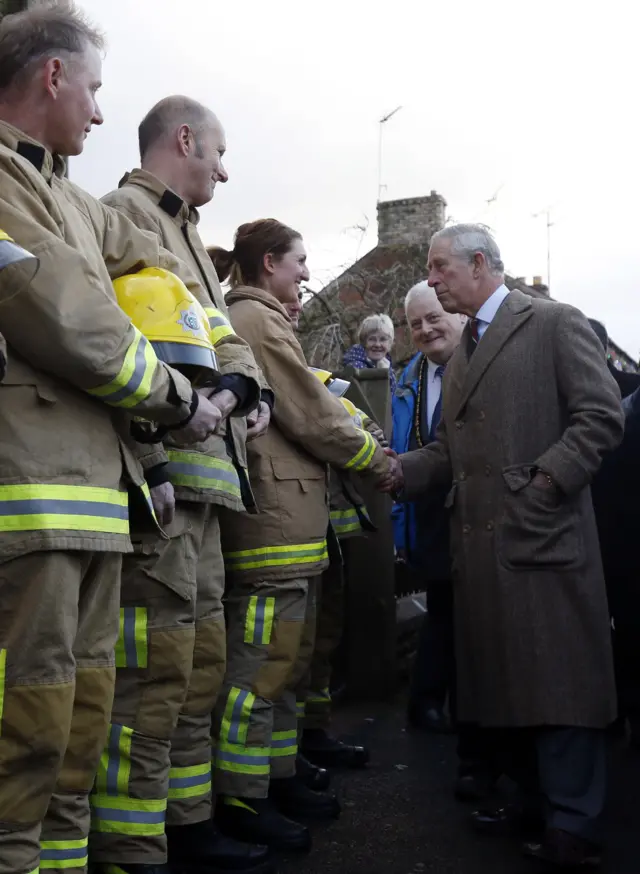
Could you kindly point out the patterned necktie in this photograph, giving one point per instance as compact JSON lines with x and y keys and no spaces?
{"x":437,"y":412}
{"x":475,"y":330}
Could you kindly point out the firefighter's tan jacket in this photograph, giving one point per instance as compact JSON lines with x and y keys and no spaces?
{"x":77,"y":369}
{"x":309,"y":430}
{"x":204,"y":472}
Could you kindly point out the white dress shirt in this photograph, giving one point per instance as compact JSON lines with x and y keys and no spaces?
{"x":487,"y":312}
{"x":434,"y":389}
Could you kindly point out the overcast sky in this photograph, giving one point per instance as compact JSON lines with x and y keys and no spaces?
{"x":537,"y":100}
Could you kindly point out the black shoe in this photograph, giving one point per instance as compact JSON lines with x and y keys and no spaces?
{"x":563,"y":850}
{"x":313,"y":777}
{"x":471,"y":786}
{"x":428,"y":717}
{"x":258,"y":821}
{"x":199,"y":847}
{"x":327,"y":752}
{"x":294,"y":798}
{"x":509,"y":820}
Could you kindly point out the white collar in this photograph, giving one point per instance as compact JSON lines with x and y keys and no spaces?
{"x":490,"y":307}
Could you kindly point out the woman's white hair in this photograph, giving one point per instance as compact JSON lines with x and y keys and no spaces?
{"x":379,"y":322}
{"x":469,"y":240}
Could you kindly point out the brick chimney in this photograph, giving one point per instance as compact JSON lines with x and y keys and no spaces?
{"x":412,"y":221}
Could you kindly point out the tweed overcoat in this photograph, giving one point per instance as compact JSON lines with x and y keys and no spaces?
{"x":531,"y":618}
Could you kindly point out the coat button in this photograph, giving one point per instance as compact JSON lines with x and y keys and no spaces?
{"x":466,"y":529}
{"x":459,"y":424}
{"x":481,"y":415}
{"x":462,"y":476}
{"x":489,"y":526}
{"x":487,"y":470}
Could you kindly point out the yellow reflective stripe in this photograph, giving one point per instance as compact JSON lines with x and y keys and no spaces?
{"x":60,"y":855}
{"x":301,"y":707}
{"x":276,"y":556}
{"x":345,"y":521}
{"x":114,"y":769}
{"x":190,"y":782}
{"x":132,"y":646}
{"x":237,"y":712}
{"x":219,"y":324}
{"x":133,"y":383}
{"x":241,"y":759}
{"x":259,"y":620}
{"x":237,"y":802}
{"x":3,"y":671}
{"x":127,"y":816}
{"x":321,"y":697}
{"x":284,"y":743}
{"x":40,"y":507}
{"x":195,"y":470}
{"x":362,"y":458}
{"x":147,"y":496}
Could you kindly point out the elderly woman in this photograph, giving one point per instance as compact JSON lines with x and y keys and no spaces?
{"x":376,"y":336}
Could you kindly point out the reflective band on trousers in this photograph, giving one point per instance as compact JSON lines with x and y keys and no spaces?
{"x":345,"y":521}
{"x":276,"y":556}
{"x":202,"y":472}
{"x":112,"y":777}
{"x":190,"y":782}
{"x":132,"y":647}
{"x":301,"y":707}
{"x":232,"y":753}
{"x":322,"y":697}
{"x":363,"y":458}
{"x":60,"y":855}
{"x":132,"y":385}
{"x":219,"y":324}
{"x":128,"y":816}
{"x":284,"y":743}
{"x":258,"y":622}
{"x":36,"y":507}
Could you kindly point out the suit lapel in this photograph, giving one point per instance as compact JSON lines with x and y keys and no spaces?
{"x":513,"y":313}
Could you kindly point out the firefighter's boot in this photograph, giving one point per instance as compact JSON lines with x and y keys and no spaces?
{"x":313,"y":777}
{"x":293,"y":798}
{"x":199,"y":848}
{"x":258,"y":821}
{"x":327,"y":752}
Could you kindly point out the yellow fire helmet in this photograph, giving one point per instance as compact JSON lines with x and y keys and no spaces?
{"x":337,"y":387}
{"x":165,"y":312}
{"x":11,"y":253}
{"x":356,"y":414}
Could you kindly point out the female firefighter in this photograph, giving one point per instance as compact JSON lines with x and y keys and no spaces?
{"x":274,"y":559}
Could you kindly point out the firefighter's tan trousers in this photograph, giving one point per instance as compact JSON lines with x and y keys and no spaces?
{"x":314,"y":695}
{"x":255,"y":721}
{"x":58,"y":627}
{"x":170,"y":659}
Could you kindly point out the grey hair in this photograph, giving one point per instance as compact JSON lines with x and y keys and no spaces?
{"x":379,"y":322}
{"x":420,"y":288}
{"x":469,"y":240}
{"x":167,"y":116}
{"x":44,"y":30}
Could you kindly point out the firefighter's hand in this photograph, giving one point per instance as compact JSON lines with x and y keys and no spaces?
{"x":205,"y":421}
{"x":258,"y":421}
{"x":378,"y":435}
{"x":164,"y":503}
{"x":226,"y":401}
{"x":393,"y":481}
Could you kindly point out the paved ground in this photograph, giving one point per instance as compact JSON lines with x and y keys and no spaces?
{"x":399,"y":816}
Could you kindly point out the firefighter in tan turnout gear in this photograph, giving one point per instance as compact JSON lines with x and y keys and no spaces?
{"x":274,"y":559}
{"x":172,"y":590}
{"x":78,"y":373}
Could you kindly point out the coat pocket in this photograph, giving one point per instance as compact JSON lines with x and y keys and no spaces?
{"x":301,"y":490}
{"x":171,"y":562}
{"x":540,"y":528}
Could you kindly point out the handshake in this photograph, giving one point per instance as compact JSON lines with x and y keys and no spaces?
{"x":392,"y":481}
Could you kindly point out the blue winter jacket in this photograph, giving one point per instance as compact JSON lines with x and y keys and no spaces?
{"x":421,"y":527}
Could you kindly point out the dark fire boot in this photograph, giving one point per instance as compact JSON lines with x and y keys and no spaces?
{"x":293,"y":798}
{"x":199,"y":848}
{"x":258,"y":821}
{"x":327,"y":752}
{"x":313,"y":777}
